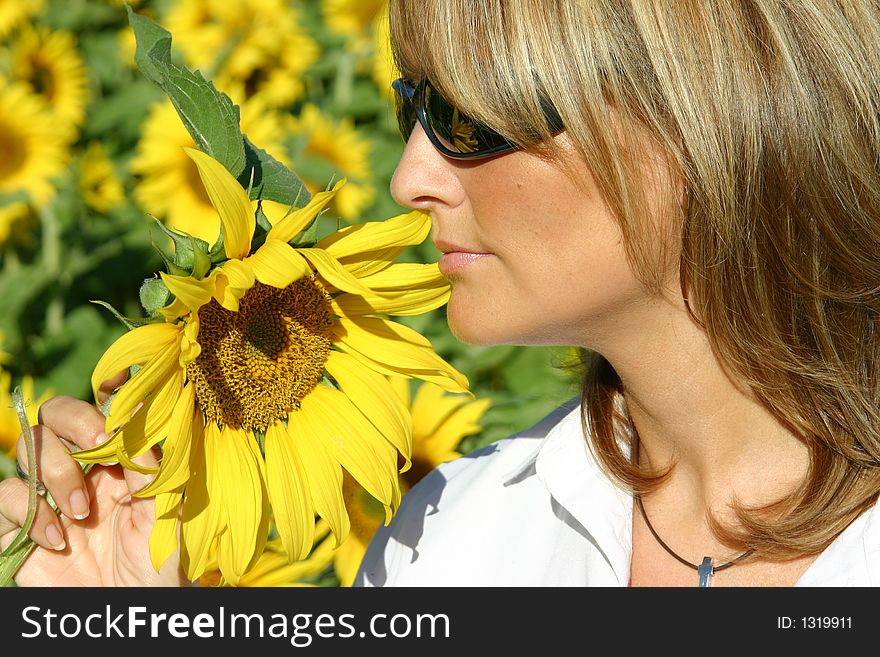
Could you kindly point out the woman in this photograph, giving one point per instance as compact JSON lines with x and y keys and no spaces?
{"x":690,"y":193}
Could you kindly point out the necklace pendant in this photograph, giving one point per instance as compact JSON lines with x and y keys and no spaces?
{"x":705,"y":571}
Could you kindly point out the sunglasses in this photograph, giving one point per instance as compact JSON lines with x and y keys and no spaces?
{"x":454,"y":134}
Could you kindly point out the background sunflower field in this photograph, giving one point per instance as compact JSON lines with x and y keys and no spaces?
{"x":91,"y":152}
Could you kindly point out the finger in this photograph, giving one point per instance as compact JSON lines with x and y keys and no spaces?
{"x":137,"y":480}
{"x":111,"y":385}
{"x":59,"y":472}
{"x":46,"y":530}
{"x":73,"y":420}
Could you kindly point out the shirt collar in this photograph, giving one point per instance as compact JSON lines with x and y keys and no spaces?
{"x":566,"y":467}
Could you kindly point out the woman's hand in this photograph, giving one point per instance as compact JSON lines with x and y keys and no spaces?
{"x":101,"y":537}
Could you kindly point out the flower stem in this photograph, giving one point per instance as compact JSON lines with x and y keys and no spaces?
{"x":18,"y":551}
{"x":14,"y":555}
{"x":52,"y":261}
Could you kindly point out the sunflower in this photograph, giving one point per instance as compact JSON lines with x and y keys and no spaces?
{"x":267,"y":378}
{"x":274,"y":568}
{"x":353,"y":19}
{"x":257,"y":43}
{"x":344,"y":148}
{"x":100,"y":186}
{"x":50,"y":64}
{"x":32,"y":148}
{"x":384,"y":69}
{"x":15,"y":221}
{"x":10,"y":428}
{"x":170,"y":188}
{"x":440,"y":422}
{"x":15,"y":12}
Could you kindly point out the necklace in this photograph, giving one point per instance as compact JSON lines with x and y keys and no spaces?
{"x":705,"y":569}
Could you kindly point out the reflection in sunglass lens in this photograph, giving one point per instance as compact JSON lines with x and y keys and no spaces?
{"x":406,"y":113}
{"x":455,"y":130}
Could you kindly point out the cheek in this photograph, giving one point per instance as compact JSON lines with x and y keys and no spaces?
{"x":564,"y":289}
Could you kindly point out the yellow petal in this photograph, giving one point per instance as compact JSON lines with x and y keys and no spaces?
{"x":402,"y":388}
{"x":289,"y":492}
{"x":235,"y":279}
{"x":373,"y":395}
{"x":106,"y":452}
{"x":432,"y":406}
{"x":142,"y":384}
{"x":231,"y":202}
{"x":174,"y":310}
{"x":401,"y":289}
{"x":291,"y":225}
{"x":152,"y":420}
{"x":191,"y":292}
{"x":405,"y":276}
{"x":347,"y":559}
{"x":243,"y":499}
{"x":400,"y":231}
{"x":411,"y":302}
{"x":333,"y":272}
{"x":200,"y":514}
{"x":399,"y":349}
{"x":174,"y":471}
{"x":163,"y":537}
{"x":136,"y":347}
{"x":189,"y":343}
{"x":278,"y":264}
{"x":323,"y":472}
{"x":371,"y":262}
{"x":447,"y":436}
{"x":355,"y":443}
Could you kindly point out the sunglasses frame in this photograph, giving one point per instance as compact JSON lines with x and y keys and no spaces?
{"x":412,"y":99}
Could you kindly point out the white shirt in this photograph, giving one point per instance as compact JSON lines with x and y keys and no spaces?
{"x":535,"y":510}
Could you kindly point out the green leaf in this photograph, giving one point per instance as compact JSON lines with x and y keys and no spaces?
{"x":209,"y":116}
{"x":267,"y":179}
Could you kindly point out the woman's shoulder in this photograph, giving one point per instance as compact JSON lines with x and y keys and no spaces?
{"x":495,"y":462}
{"x":470,"y":503}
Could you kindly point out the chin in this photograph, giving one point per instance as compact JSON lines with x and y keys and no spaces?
{"x":482,"y":329}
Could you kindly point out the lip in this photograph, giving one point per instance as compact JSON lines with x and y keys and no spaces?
{"x":456,"y":258}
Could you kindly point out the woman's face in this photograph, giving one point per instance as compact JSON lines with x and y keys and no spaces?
{"x":534,"y":256}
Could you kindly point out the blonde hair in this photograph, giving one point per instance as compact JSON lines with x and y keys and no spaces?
{"x":768,"y":112}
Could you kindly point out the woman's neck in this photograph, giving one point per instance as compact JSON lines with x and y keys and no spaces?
{"x":688,"y":411}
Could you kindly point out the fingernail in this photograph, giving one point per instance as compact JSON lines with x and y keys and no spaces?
{"x":79,"y":504}
{"x":56,"y":540}
{"x":101,"y":438}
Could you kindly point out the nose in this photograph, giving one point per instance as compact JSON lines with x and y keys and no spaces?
{"x":424,"y":179}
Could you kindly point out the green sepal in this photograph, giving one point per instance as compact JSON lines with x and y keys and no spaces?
{"x":201,"y":258}
{"x":263,"y":228}
{"x":154,"y":295}
{"x":260,"y":437}
{"x":190,"y":257}
{"x":308,"y":236}
{"x":129,"y":322}
{"x":218,"y":251}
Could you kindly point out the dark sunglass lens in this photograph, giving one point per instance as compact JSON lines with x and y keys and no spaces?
{"x":406,"y":114}
{"x":458,"y":132}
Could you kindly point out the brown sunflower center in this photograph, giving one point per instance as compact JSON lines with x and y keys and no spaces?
{"x":42,"y":78}
{"x":256,"y":365}
{"x":13,"y":151}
